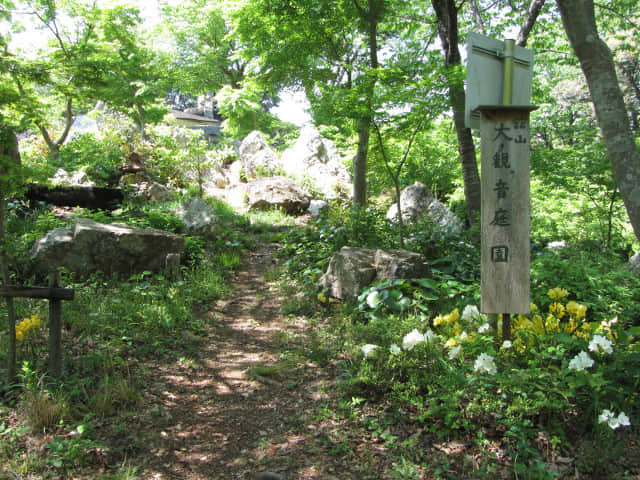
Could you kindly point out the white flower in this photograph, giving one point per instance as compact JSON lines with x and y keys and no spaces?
{"x":374,"y":299}
{"x":623,"y":420}
{"x":368,"y":350}
{"x":411,"y":339}
{"x":607,"y":416}
{"x":394,"y":349}
{"x":484,"y":328}
{"x":469,"y":313}
{"x":454,"y":352}
{"x":429,"y":336}
{"x":600,"y":343}
{"x":464,"y":336}
{"x":580,"y":362}
{"x":610,"y":323}
{"x":506,"y":345}
{"x":485,"y":363}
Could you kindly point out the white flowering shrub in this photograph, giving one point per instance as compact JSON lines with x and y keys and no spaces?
{"x":456,"y":366}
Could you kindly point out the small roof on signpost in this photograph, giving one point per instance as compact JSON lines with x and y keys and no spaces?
{"x":486,"y":74}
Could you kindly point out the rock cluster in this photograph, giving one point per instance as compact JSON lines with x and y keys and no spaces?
{"x":352,"y":269}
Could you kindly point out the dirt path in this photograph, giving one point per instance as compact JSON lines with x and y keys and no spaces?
{"x":241,"y":407}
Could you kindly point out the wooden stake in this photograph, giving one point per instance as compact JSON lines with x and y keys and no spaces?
{"x":55,"y":327}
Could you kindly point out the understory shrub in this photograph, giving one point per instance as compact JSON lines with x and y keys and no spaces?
{"x":559,"y":371}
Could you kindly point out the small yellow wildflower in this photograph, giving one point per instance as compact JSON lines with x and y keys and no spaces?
{"x":450,"y":343}
{"x":454,"y":316}
{"x":533,"y":307}
{"x":551,"y":323}
{"x":576,"y":310}
{"x":27,"y":324}
{"x":557,"y":309}
{"x":557,"y":293}
{"x":438,"y":320}
{"x":572,"y":326}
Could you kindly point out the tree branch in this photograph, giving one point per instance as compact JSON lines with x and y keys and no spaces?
{"x":628,"y":20}
{"x":535,"y":7}
{"x":68,"y":122}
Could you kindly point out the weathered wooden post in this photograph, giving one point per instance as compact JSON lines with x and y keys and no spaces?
{"x":55,"y":327}
{"x":499,"y":92}
{"x":55,"y":294}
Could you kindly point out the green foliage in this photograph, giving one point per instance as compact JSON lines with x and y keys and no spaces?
{"x":436,"y":364}
{"x":608,"y":289}
{"x":99,"y":154}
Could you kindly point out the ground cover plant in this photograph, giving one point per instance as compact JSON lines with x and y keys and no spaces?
{"x":113,"y":328}
{"x":562,"y":388}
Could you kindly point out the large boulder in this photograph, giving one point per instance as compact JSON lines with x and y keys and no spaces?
{"x":634,"y":264}
{"x":316,"y":207}
{"x":349,"y":271}
{"x":79,"y":177}
{"x":316,"y":159}
{"x":418,"y":203}
{"x":277,"y":192}
{"x":256,"y":156}
{"x":116,"y":248}
{"x":199,"y":218}
{"x":396,"y":264}
{"x":352,"y":269}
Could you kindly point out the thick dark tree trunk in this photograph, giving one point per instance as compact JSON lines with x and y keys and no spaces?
{"x":599,"y":69}
{"x":447,"y":14}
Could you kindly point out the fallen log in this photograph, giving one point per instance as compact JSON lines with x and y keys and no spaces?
{"x":95,"y":198}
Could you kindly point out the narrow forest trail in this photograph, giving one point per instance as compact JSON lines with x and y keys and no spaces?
{"x":242,"y":407}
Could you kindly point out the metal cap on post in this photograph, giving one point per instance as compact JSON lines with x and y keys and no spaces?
{"x":507,"y":86}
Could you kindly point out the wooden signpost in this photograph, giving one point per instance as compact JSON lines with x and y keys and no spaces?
{"x":498,"y":73}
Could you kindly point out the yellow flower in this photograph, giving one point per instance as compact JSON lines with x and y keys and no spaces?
{"x":557,"y":293}
{"x":438,"y":320}
{"x":577,"y":310}
{"x":551,"y":323}
{"x":35,"y":319}
{"x":557,"y":309}
{"x":537,"y":325}
{"x":450,"y":343}
{"x":572,"y":326}
{"x":19,"y":335}
{"x":454,"y":316}
{"x":533,"y":307}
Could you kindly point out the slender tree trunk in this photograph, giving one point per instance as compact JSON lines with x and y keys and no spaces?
{"x":54,"y":146}
{"x":371,"y":16}
{"x":447,"y":14}
{"x":9,"y":159}
{"x":360,"y":163}
{"x":599,"y":69}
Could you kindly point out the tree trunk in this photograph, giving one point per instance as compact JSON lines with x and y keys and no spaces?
{"x":360,"y":163}
{"x":370,"y":15}
{"x":599,"y":70}
{"x":9,"y":159}
{"x":447,"y":14}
